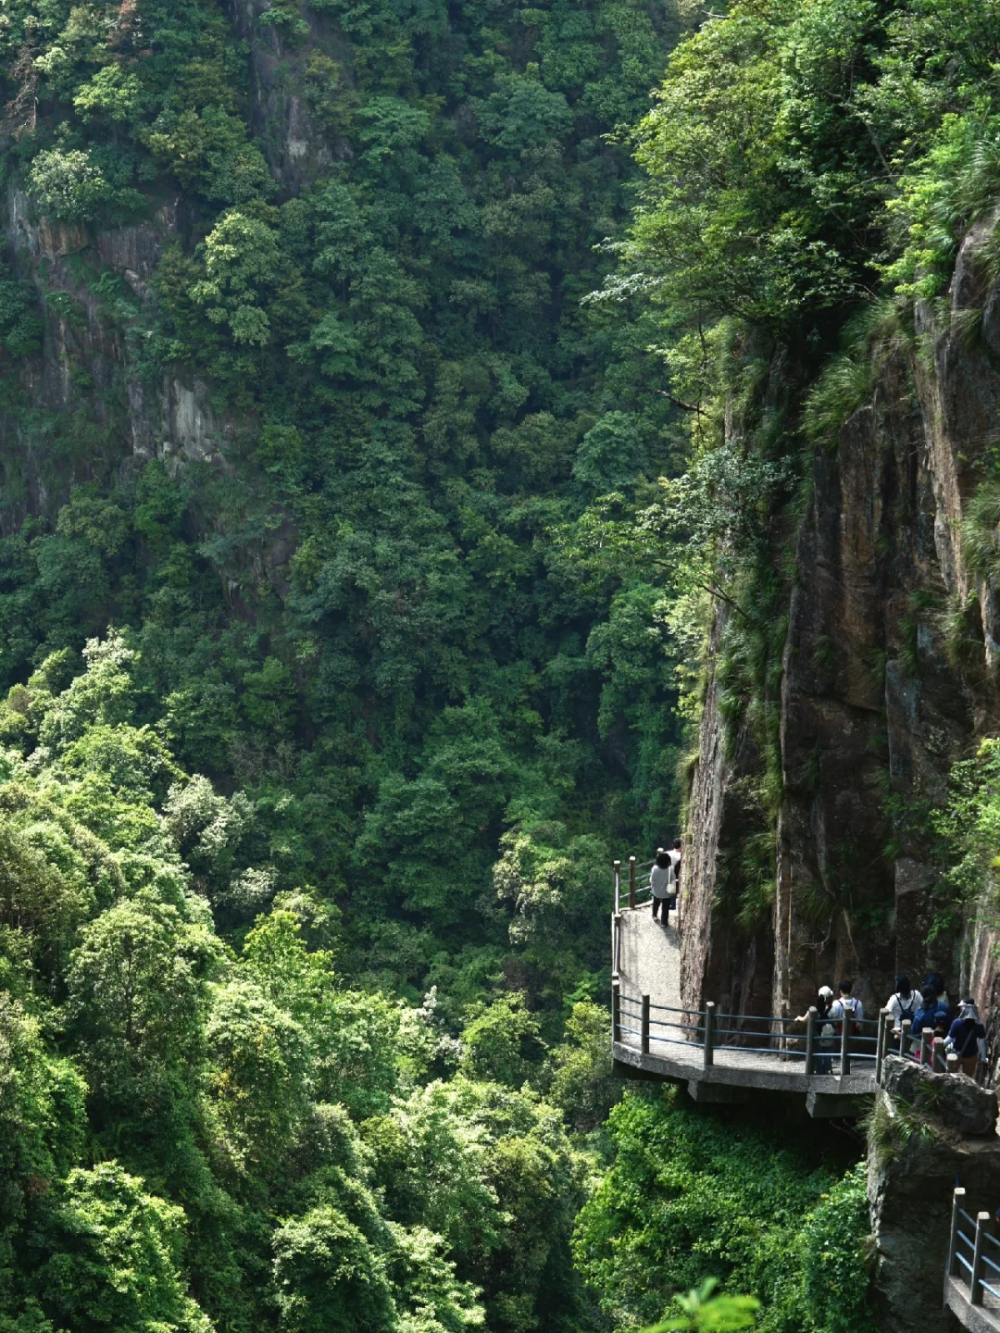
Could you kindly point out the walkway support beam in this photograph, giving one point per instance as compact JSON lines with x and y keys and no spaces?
{"x":957,"y":1203}
{"x":616,"y":1012}
{"x":709,"y":1034}
{"x":976,"y":1277}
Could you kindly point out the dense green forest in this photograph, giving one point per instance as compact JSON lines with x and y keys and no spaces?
{"x":316,"y":749}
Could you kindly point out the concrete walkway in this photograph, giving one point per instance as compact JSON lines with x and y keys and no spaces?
{"x":649,"y":964}
{"x":983,"y":1318}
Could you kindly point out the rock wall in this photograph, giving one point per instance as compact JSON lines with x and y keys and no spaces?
{"x":877,"y":699}
{"x":86,"y":383}
{"x":929,"y":1132}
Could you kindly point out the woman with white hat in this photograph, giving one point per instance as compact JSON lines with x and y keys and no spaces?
{"x":967,"y":1038}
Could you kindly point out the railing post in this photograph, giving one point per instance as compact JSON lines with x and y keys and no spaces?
{"x":617,"y":961}
{"x":976,"y":1277}
{"x":709,"y":1034}
{"x":618,"y":887}
{"x":811,"y":1040}
{"x":616,"y":1012}
{"x":631,"y":881}
{"x":951,"y":1059}
{"x":937,"y":1054}
{"x":904,"y":1037}
{"x":926,"y":1038}
{"x":845,"y":1045}
{"x":881,"y":1042}
{"x":957,"y":1202}
{"x":645,"y":1025}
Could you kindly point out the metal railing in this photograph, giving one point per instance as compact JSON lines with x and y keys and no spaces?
{"x":974,"y":1253}
{"x":637,"y":893}
{"x":769,"y":1036}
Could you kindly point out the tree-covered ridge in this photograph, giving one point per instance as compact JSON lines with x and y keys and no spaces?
{"x":195,"y":1137}
{"x":359,"y":616}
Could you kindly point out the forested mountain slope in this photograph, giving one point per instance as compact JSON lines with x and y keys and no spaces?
{"x":300,"y":396}
{"x":363,"y":578}
{"x":311,"y":709}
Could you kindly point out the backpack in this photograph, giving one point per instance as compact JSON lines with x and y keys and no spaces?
{"x":907,"y":1010}
{"x":850,"y":1005}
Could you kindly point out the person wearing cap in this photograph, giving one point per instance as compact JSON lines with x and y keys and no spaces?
{"x":967,"y":1038}
{"x":822,"y":1061}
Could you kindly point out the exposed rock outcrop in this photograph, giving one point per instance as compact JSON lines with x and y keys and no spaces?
{"x":877,"y":702}
{"x":918,"y":1153}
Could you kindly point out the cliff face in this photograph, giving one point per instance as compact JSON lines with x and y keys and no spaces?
{"x":887,"y":680}
{"x":85,"y":407}
{"x":85,"y":384}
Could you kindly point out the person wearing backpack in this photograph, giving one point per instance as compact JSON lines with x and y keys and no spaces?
{"x":967,"y":1038}
{"x":825,"y":1044}
{"x":847,"y":1009}
{"x":934,"y":1014}
{"x":902,"y":1004}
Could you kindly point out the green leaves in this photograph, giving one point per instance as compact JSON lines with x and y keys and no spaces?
{"x":241,"y":261}
{"x":703,"y":1311}
{"x":67,"y":183}
{"x":116,"y":1254}
{"x":740,"y":1207}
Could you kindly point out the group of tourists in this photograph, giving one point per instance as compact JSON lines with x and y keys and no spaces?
{"x":925,"y":1009}
{"x":665,"y":882}
{"x":831,"y":1015}
{"x":963,"y":1031}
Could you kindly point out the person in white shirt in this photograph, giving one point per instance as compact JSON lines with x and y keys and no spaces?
{"x":902,"y":1004}
{"x":847,"y":1009}
{"x":661,"y":880}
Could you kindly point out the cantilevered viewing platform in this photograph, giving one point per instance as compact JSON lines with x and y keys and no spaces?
{"x":724,"y":1057}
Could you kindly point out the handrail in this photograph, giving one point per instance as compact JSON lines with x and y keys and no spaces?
{"x":808,"y":1043}
{"x":705,"y":1034}
{"x":959,"y":1267}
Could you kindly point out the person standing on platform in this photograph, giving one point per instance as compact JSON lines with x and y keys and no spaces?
{"x":967,"y":1038}
{"x":660,"y":879}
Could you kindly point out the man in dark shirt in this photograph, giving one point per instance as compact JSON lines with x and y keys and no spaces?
{"x":933,"y":1013}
